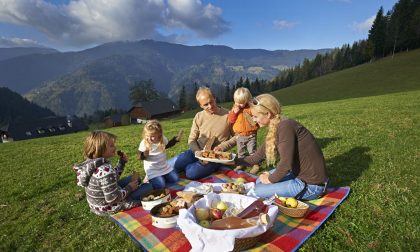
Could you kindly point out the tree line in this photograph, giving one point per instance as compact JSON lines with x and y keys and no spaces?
{"x":398,"y":30}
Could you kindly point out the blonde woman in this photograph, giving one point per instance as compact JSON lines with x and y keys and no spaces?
{"x":152,"y":152}
{"x":299,"y":163}
{"x":244,"y":127}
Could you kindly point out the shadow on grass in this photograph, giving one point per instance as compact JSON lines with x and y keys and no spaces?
{"x":347,"y":167}
{"x":324,"y":142}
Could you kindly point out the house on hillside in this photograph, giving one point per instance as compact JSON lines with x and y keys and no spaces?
{"x":43,"y":127}
{"x":158,"y":109}
{"x":116,"y":120}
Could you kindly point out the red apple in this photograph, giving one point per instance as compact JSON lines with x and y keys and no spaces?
{"x":216,"y":214}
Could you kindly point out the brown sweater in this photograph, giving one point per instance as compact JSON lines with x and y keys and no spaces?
{"x":298,"y":152}
{"x":206,"y":125}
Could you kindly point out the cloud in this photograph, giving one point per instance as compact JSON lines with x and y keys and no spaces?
{"x":206,"y":21}
{"x":18,"y":42}
{"x":283,"y":24}
{"x":88,"y":22}
{"x":364,"y":25}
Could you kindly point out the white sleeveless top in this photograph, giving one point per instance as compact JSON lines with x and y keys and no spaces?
{"x":155,"y":164}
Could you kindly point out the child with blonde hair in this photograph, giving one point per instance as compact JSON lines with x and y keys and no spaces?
{"x":152,"y":152}
{"x":244,"y":127}
{"x":105,"y":193}
{"x":299,"y":166}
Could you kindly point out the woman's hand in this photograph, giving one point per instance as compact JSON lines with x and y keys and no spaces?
{"x":264,"y":178}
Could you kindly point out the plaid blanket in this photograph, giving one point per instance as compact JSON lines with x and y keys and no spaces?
{"x":287,"y":234}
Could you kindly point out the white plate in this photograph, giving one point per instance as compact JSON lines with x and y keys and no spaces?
{"x":215,"y":160}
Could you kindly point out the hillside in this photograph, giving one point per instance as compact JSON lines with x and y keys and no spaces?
{"x":14,"y":107}
{"x":388,"y":75}
{"x":114,"y":67}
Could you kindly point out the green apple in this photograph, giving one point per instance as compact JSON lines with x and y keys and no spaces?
{"x":221,"y":205}
{"x":204,"y":223}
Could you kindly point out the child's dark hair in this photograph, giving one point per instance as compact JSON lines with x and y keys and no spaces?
{"x":96,"y":143}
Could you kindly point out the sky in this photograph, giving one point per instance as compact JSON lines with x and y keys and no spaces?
{"x":73,"y":25}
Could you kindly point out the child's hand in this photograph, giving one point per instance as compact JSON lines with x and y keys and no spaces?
{"x":236,"y":109}
{"x":146,"y":153}
{"x":122,"y":156}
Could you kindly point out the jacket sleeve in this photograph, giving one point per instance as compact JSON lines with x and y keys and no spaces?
{"x":232,"y":117}
{"x":109,"y":185}
{"x":286,"y":147}
{"x":119,"y":168}
{"x":171,"y":142}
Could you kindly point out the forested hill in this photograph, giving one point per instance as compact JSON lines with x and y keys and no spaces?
{"x":15,"y":107}
{"x":100,"y":78}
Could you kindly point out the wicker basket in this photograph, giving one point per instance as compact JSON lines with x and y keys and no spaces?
{"x":297,"y":212}
{"x":246,"y":243}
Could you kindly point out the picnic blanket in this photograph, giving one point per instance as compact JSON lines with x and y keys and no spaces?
{"x":287,"y":234}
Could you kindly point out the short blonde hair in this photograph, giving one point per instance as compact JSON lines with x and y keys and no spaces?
{"x":265,"y":104}
{"x":96,"y":143}
{"x":153,"y":126}
{"x":203,"y":91}
{"x":242,"y":95}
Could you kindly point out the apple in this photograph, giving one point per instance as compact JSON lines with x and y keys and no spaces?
{"x":204,"y":223}
{"x":202,"y":213}
{"x":221,"y":205}
{"x":216,"y":214}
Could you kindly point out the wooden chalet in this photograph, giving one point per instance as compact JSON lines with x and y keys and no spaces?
{"x":43,"y":127}
{"x":158,"y":109}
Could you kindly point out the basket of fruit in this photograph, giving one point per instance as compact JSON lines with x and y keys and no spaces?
{"x":291,"y":206}
{"x":216,"y":222}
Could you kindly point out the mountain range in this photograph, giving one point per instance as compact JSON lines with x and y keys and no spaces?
{"x":99,"y":78}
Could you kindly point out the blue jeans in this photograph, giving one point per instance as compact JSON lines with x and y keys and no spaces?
{"x":137,"y":194}
{"x":160,"y":182}
{"x":289,"y":186}
{"x":194,"y":170}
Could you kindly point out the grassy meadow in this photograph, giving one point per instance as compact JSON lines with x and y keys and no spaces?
{"x":371,"y":144}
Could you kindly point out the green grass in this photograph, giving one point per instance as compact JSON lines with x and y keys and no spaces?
{"x":371,"y":144}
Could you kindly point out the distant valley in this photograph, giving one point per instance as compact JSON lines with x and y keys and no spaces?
{"x":99,"y":78}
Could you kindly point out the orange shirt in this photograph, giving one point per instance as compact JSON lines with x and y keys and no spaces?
{"x":242,"y":122}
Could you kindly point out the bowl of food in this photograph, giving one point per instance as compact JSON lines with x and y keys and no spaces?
{"x":165,"y":215}
{"x":154,"y":198}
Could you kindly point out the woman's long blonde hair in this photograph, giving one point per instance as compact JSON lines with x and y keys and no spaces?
{"x":153,"y":126}
{"x":96,"y":143}
{"x":268,"y":104}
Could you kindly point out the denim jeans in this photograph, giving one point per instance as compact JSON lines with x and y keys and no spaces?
{"x":194,"y":170}
{"x":289,"y":186}
{"x":137,"y":194}
{"x":160,"y":182}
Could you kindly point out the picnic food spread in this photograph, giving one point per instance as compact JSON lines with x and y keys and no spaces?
{"x":216,"y":155}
